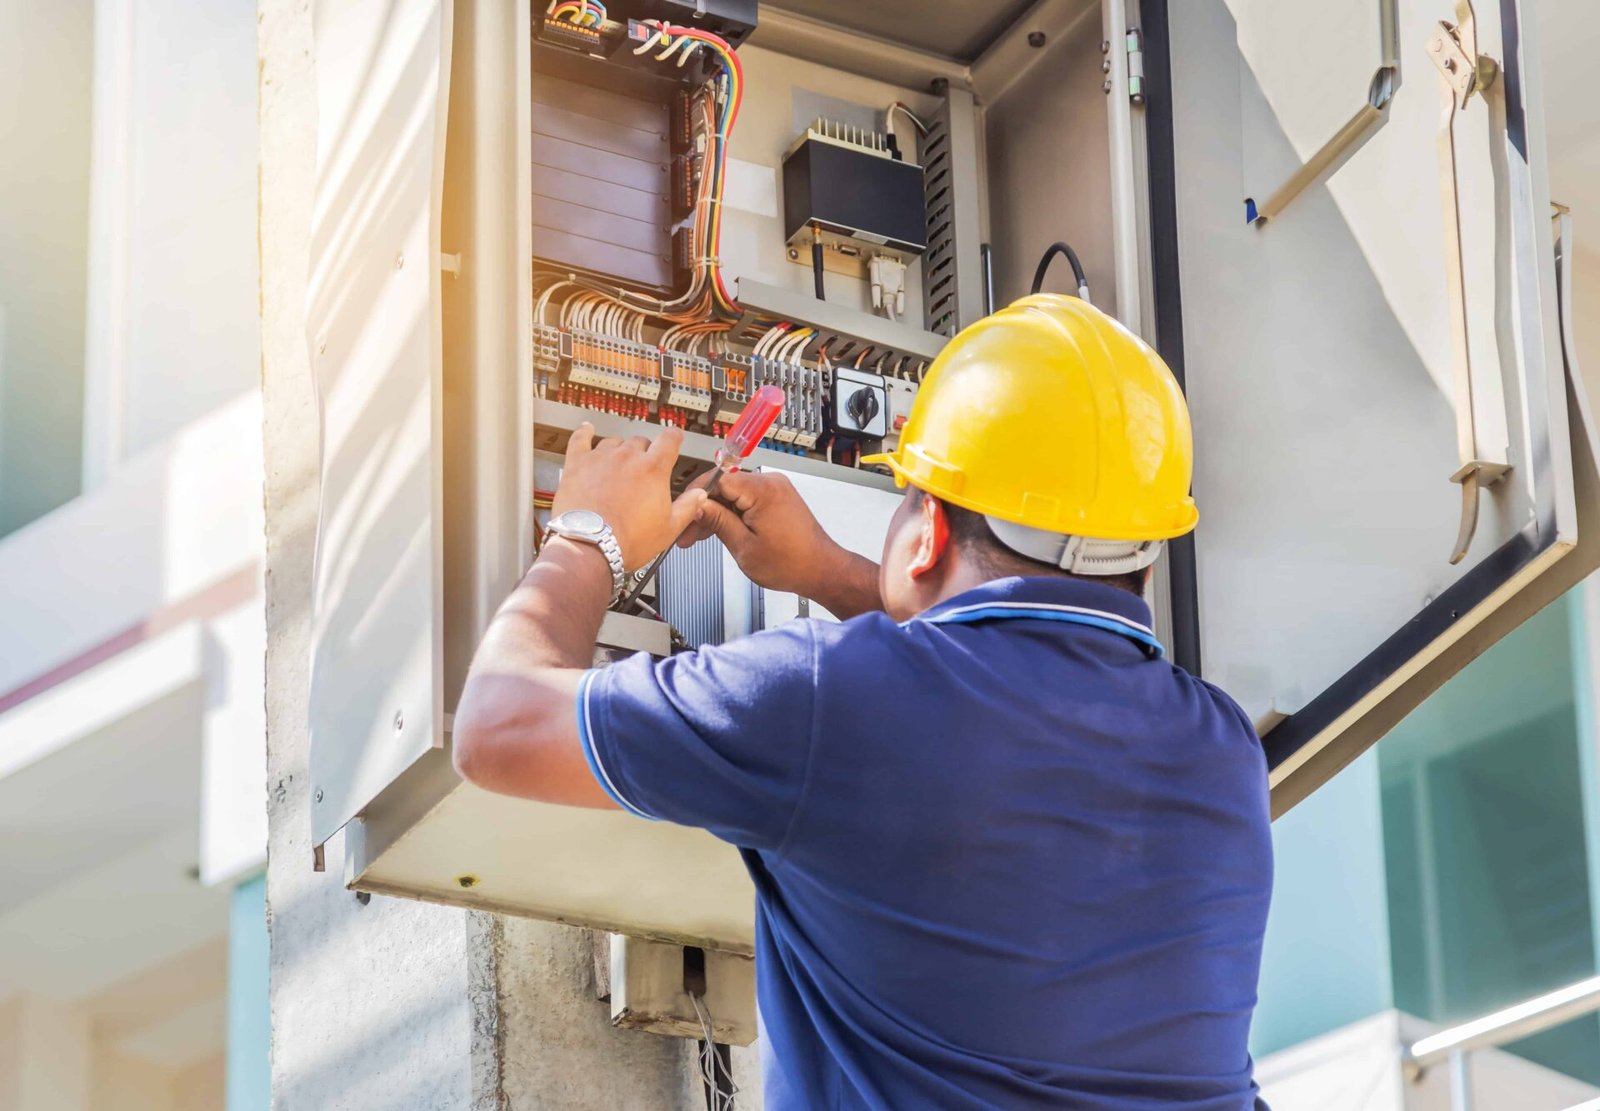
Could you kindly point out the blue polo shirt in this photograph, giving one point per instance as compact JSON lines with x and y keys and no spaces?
{"x":1005,"y":855}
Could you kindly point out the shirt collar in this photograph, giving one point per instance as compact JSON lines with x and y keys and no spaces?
{"x":1099,"y":604}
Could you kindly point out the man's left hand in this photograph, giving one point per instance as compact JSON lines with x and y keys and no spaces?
{"x":629,"y":484}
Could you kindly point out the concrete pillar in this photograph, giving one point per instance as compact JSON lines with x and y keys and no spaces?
{"x":392,"y":1004}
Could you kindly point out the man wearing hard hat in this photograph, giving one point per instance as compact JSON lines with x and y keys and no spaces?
{"x":1005,"y":854}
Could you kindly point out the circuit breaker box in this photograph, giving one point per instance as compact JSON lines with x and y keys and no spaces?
{"x":531,"y":216}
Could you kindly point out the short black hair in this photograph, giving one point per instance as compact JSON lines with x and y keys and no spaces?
{"x":972,"y":534}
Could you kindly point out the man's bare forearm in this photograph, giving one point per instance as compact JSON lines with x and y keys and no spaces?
{"x":515,"y":725}
{"x":553,"y":616}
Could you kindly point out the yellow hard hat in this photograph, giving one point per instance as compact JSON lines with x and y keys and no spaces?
{"x":1051,"y":415}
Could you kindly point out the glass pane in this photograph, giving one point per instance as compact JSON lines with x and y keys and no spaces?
{"x":1489,"y":898}
{"x":46,"y":68}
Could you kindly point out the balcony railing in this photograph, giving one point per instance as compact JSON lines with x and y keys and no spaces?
{"x":1521,"y":1020}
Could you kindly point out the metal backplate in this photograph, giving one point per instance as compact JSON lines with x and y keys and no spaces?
{"x":1318,"y":360}
{"x":601,"y":158}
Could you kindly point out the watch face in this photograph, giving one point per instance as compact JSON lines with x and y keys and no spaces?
{"x":580,"y":522}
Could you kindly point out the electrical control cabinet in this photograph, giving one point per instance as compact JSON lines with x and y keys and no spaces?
{"x":1379,"y":381}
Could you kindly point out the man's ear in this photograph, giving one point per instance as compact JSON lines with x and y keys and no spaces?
{"x":933,"y":537}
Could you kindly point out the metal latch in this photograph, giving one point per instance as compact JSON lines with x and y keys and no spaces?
{"x":1463,"y":73}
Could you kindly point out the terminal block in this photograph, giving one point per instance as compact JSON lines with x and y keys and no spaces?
{"x":685,"y":382}
{"x":546,"y":354}
{"x":800,"y":424}
{"x":572,"y":36}
{"x":730,"y":386}
{"x":607,"y":373}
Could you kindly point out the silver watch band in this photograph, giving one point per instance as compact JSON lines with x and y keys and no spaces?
{"x":606,"y":541}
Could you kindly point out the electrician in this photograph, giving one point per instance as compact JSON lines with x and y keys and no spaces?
{"x":1005,"y":855}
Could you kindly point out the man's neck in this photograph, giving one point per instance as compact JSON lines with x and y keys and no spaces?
{"x":963,"y":575}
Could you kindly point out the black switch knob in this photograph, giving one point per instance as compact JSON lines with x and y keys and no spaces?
{"x":863,"y":406}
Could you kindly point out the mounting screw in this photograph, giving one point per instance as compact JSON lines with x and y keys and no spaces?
{"x":1105,"y":66}
{"x":399,"y":262}
{"x":793,"y":254}
{"x":467,"y":881}
{"x":318,"y":796}
{"x":1105,"y":46}
{"x":399,"y":720}
{"x":1036,"y":39}
{"x":1106,"y":87}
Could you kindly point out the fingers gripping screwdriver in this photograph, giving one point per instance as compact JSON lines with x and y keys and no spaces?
{"x":748,"y":431}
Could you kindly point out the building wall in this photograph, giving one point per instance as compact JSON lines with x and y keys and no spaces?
{"x":10,"y":1051}
{"x":193,"y":343}
{"x":130,"y":650}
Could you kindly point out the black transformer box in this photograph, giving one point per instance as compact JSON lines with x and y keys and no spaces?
{"x":855,"y":192}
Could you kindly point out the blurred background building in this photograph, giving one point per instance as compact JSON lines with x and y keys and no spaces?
{"x":1452,"y":871}
{"x":132,"y":830}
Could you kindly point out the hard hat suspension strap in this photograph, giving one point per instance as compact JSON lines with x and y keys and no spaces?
{"x":1077,"y":555}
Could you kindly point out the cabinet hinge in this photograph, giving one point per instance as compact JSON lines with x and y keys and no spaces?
{"x":1135,"y":44}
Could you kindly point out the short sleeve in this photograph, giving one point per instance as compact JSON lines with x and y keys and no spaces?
{"x":719,"y":738}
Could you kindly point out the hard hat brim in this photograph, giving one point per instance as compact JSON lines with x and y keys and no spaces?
{"x":903,"y":478}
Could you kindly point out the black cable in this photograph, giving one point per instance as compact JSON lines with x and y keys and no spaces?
{"x":816,"y":264}
{"x":724,"y":1057}
{"x":1072,"y":259}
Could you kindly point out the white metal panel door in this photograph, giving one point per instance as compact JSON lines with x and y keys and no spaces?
{"x":373,"y":326}
{"x":1325,"y":357}
{"x":854,"y":515}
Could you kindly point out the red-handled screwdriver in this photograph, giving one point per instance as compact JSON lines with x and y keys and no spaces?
{"x":747,"y":432}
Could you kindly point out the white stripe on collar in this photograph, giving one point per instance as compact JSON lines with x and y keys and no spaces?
{"x":1048,"y":606}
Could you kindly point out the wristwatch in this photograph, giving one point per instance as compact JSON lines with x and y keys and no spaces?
{"x":588,"y":527}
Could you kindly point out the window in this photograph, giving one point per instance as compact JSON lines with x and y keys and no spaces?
{"x":1489,"y":893}
{"x":46,"y":90}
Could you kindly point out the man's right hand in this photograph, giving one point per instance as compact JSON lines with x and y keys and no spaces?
{"x":771,"y":533}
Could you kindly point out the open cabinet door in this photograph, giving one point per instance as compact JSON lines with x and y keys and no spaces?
{"x":1385,"y":445}
{"x":373,"y":324}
